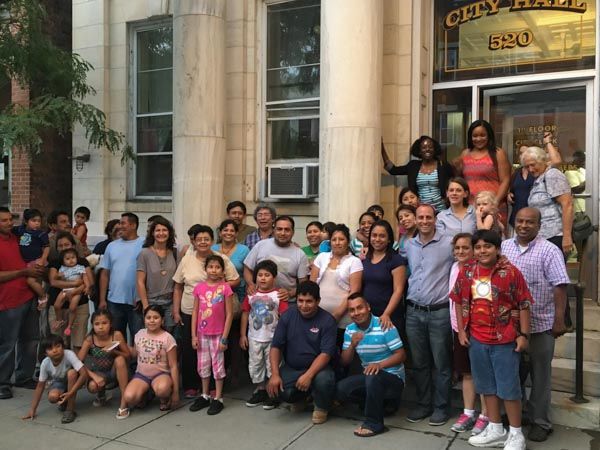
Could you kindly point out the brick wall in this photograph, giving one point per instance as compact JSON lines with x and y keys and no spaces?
{"x":46,"y":181}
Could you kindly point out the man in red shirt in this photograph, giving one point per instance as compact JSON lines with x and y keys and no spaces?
{"x":495,"y":325}
{"x":18,"y":314}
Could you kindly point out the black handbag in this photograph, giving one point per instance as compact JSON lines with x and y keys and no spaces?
{"x":582,"y":227}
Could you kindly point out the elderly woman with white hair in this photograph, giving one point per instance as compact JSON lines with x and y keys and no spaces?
{"x":551,"y":195}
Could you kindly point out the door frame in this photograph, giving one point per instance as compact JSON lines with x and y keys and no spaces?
{"x":592,"y":155}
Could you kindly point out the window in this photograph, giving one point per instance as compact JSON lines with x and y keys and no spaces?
{"x":153,"y":111}
{"x":292,"y":81}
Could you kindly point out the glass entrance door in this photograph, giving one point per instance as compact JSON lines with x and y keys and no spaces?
{"x":520,"y":115}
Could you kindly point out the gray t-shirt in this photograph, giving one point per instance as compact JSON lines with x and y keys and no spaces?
{"x":291,"y":261}
{"x":159,"y":273}
{"x":50,"y":372}
{"x":546,"y":188}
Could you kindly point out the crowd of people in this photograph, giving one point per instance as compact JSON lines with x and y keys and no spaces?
{"x":446,"y":292}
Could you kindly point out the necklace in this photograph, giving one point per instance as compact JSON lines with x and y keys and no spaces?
{"x":482,"y":288}
{"x":162,"y":261}
{"x":227,"y":251}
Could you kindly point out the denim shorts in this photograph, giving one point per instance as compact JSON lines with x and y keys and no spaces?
{"x":58,"y":384}
{"x":495,"y":369}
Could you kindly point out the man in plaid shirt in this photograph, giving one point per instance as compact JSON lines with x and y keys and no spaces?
{"x":543,"y":267}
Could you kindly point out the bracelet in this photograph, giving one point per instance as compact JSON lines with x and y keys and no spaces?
{"x":224,"y":341}
{"x":521,"y":334}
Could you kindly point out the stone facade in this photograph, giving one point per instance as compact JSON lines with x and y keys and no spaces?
{"x":227,"y":124}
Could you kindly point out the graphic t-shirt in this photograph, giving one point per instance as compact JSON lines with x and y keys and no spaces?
{"x":31,"y":242}
{"x":211,"y":307}
{"x":152,"y":352}
{"x":50,"y":372}
{"x":265,"y":309}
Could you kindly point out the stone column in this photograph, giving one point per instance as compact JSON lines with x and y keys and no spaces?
{"x":198,"y":112}
{"x":351,"y":77}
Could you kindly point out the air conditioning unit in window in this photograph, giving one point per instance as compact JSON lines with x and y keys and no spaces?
{"x":293,"y":180}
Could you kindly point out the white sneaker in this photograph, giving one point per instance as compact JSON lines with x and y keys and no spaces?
{"x":515,"y":442}
{"x":489,"y":438}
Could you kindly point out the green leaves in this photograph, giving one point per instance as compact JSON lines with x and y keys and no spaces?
{"x":57,"y":80}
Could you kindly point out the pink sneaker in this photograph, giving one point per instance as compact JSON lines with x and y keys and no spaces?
{"x":464,"y":423}
{"x":480,"y":425}
{"x":68,"y":331}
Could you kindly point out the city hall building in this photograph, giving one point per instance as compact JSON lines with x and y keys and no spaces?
{"x":287,"y":102}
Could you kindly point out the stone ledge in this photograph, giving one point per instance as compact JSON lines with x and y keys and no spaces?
{"x":576,"y":415}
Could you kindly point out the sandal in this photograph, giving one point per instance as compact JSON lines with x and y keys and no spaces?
{"x":122,"y":413}
{"x":365,"y":432}
{"x":165,"y":405}
{"x":68,"y":417}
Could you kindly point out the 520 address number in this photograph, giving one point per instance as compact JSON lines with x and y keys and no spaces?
{"x":510,"y":39}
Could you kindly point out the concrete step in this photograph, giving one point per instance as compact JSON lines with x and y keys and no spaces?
{"x":577,"y":415}
{"x":563,"y":376}
{"x":565,"y":346}
{"x":591,"y":314}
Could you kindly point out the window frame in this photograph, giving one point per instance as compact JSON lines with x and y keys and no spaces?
{"x":134,"y":29}
{"x":264,"y":158}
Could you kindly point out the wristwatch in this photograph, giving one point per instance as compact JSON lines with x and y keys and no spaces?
{"x":525,"y":335}
{"x":224,"y":341}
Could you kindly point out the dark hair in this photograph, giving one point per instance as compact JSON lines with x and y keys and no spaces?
{"x":415,"y":148}
{"x":165,"y":223}
{"x":267,"y":265}
{"x":98,"y":313}
{"x":355,"y":295}
{"x":428,"y":205}
{"x":4,"y":209}
{"x":132,"y":218}
{"x":65,"y":234}
{"x":85,"y":211}
{"x":31,"y":213}
{"x":52,"y":340}
{"x":235,"y":204}
{"x":492,"y":149}
{"x":263,"y":206}
{"x":65,"y":252}
{"x":405,"y":207}
{"x":315,"y":223}
{"x":193,"y":230}
{"x":488,"y":236}
{"x":458,"y":236}
{"x":404,"y":191}
{"x":390,"y":232}
{"x":156,"y":308}
{"x":229,"y":222}
{"x":217,"y":258}
{"x":367,"y":213}
{"x":53,"y":216}
{"x":203,"y":229}
{"x":377,"y":208}
{"x":110,"y":226}
{"x":309,"y":288}
{"x":329,"y":227}
{"x":154,"y":217}
{"x":285,"y":217}
{"x":463,"y":183}
{"x":341,"y":228}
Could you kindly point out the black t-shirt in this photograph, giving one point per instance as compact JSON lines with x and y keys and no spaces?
{"x":100,"y":247}
{"x":53,"y":292}
{"x":302,"y":340}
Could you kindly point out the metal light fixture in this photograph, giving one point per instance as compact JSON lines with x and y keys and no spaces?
{"x":79,"y":160}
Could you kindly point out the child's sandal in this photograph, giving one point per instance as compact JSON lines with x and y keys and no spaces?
{"x":165,"y":405}
{"x":122,"y":413}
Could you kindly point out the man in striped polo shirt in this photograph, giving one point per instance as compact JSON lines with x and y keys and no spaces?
{"x":381,"y":354}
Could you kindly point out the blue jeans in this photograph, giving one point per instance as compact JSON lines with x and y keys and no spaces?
{"x":429,"y":337}
{"x":19,"y":333}
{"x":125,"y":316}
{"x":373,"y":391}
{"x":322,"y":387}
{"x":495,"y":369}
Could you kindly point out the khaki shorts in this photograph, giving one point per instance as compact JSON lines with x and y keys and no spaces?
{"x":80,"y":325}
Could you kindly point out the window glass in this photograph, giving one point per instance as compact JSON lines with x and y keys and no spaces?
{"x":293,"y":77}
{"x":154,"y":111}
{"x":451,"y":118}
{"x":476,"y":39}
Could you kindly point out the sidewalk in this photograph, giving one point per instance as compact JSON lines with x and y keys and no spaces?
{"x":236,"y":428}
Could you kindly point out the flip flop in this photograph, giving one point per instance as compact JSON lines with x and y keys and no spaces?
{"x":369,"y":432}
{"x":122,"y":413}
{"x":165,"y":405}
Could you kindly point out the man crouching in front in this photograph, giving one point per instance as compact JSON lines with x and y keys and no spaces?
{"x":306,"y":336}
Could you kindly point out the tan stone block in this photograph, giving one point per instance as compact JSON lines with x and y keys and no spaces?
{"x":87,"y":13}
{"x":234,"y":111}
{"x":118,"y":56}
{"x":118,"y":100}
{"x":404,"y":40}
{"x":390,"y":69}
{"x":118,"y":78}
{"x":404,"y":99}
{"x":93,"y":55}
{"x":235,"y":9}
{"x":391,"y":10}
{"x":235,"y":136}
{"x":233,"y":163}
{"x":119,"y":120}
{"x":390,"y":39}
{"x":118,"y":33}
{"x":234,"y":187}
{"x":233,"y":59}
{"x":404,"y":66}
{"x":389,"y":101}
{"x":405,"y":11}
{"x":234,"y":85}
{"x":234,"y":33}
{"x":87,"y":36}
